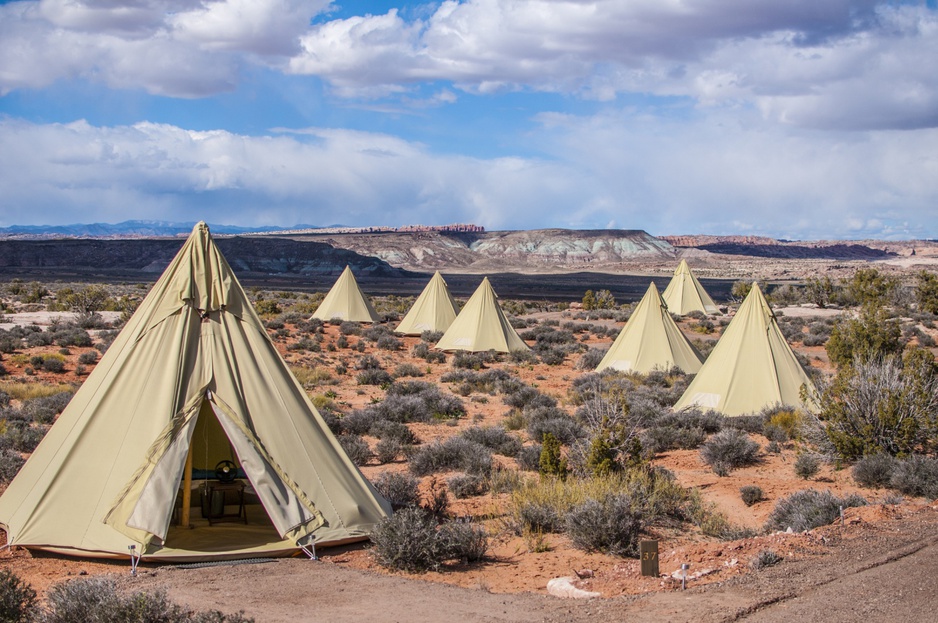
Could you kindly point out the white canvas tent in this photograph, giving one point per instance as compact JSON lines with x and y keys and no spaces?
{"x":434,"y":309}
{"x":751,"y":367}
{"x":651,"y":340}
{"x":193,"y":379}
{"x":482,"y":326}
{"x":684,"y":293}
{"x":346,"y":301}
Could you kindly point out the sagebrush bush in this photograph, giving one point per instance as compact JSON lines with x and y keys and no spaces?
{"x":410,"y":540}
{"x":609,"y":525}
{"x":407,"y":369}
{"x":751,"y":494}
{"x":875,"y":470}
{"x":394,"y":431}
{"x":17,"y":599}
{"x":495,"y":438}
{"x":663,"y":438}
{"x":454,"y":453}
{"x":431,"y":337}
{"x":765,"y":558}
{"x":916,"y":475}
{"x":729,"y":449}
{"x":89,"y":600}
{"x":22,"y":437}
{"x":10,"y":464}
{"x":387,"y":450}
{"x":399,"y":489}
{"x":373,"y":376}
{"x":809,"y":509}
{"x":590,"y":359}
{"x":466,"y":485}
{"x":807,"y":465}
{"x":356,"y":448}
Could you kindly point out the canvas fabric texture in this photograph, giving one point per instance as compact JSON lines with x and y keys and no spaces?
{"x":751,"y":367}
{"x":346,"y":301}
{"x":107,"y":474}
{"x":684,"y":293}
{"x":434,"y":310}
{"x":651,"y":340}
{"x":482,"y":326}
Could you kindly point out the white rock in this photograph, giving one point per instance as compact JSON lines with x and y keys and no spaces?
{"x":564,"y":588}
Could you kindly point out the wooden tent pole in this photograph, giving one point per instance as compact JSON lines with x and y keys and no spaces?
{"x":186,"y":491}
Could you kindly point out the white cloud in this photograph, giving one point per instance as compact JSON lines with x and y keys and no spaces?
{"x":713,"y":175}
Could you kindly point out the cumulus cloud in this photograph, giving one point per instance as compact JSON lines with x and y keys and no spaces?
{"x":711,"y":176}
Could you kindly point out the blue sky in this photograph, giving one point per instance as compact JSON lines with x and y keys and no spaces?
{"x":801,"y":119}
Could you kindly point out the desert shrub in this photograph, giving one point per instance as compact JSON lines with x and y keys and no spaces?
{"x":609,"y":525}
{"x":788,"y":419}
{"x":468,"y":361}
{"x":454,"y":453}
{"x":809,"y":509}
{"x":398,"y":488}
{"x":753,"y":424}
{"x":870,"y":336}
{"x":407,"y":369}
{"x":368,"y":362}
{"x":870,"y":288}
{"x":495,"y":438}
{"x":431,"y":337}
{"x":807,"y":465}
{"x":529,"y":457}
{"x":72,"y":336}
{"x":88,"y":357}
{"x":43,"y":409}
{"x":97,"y":599}
{"x":373,"y":376}
{"x":729,"y":449}
{"x":815,"y":340}
{"x":349,"y":327}
{"x":387,"y":450}
{"x":551,"y":463}
{"x":394,"y":431}
{"x":765,"y":558}
{"x":751,"y":494}
{"x":389,"y":342}
{"x":10,"y":464}
{"x":466,"y":485}
{"x":359,"y":422}
{"x":553,"y":422}
{"x":916,"y":475}
{"x":22,"y":437}
{"x":553,"y":356}
{"x":408,"y":541}
{"x":356,"y":448}
{"x":882,"y":406}
{"x":663,"y":438}
{"x":590,"y":359}
{"x":466,"y":542}
{"x":416,"y":401}
{"x":17,"y":599}
{"x":874,"y":470}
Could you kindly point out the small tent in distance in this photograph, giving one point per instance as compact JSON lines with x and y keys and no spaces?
{"x":192,"y":381}
{"x":684,"y":293}
{"x":482,"y":326}
{"x":346,"y":301}
{"x":751,"y":367}
{"x":434,"y":309}
{"x":651,"y":340}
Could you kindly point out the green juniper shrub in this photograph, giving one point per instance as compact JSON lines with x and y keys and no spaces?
{"x":874,"y":470}
{"x":551,"y":462}
{"x":809,"y":509}
{"x":751,"y":494}
{"x":400,"y":489}
{"x":807,"y":465}
{"x":729,"y":449}
{"x":609,"y":525}
{"x":17,"y":599}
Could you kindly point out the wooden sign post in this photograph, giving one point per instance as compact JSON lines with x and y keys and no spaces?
{"x":648,"y":553}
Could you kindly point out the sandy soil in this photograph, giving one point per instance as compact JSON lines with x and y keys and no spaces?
{"x":510,"y":584}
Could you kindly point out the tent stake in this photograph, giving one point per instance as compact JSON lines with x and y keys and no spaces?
{"x":134,"y":559}
{"x":312,"y":554}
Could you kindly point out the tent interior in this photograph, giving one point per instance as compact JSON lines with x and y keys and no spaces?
{"x":223,"y":516}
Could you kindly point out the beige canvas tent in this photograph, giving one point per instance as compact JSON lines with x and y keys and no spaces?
{"x":192,"y":381}
{"x":434,"y":309}
{"x":482,"y":326}
{"x":684,"y":293}
{"x":651,"y":340}
{"x":346,"y":301}
{"x":751,"y":367}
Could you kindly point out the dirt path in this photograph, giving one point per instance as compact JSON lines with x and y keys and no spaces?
{"x":880,"y":572}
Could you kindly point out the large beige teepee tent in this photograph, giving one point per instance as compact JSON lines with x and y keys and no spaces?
{"x":434,"y":309}
{"x":346,"y":301}
{"x":482,"y":326}
{"x":651,"y":340}
{"x":684,"y":293}
{"x":751,"y":367}
{"x":192,"y":380}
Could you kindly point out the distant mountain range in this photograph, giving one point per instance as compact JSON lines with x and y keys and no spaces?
{"x":131,"y":229}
